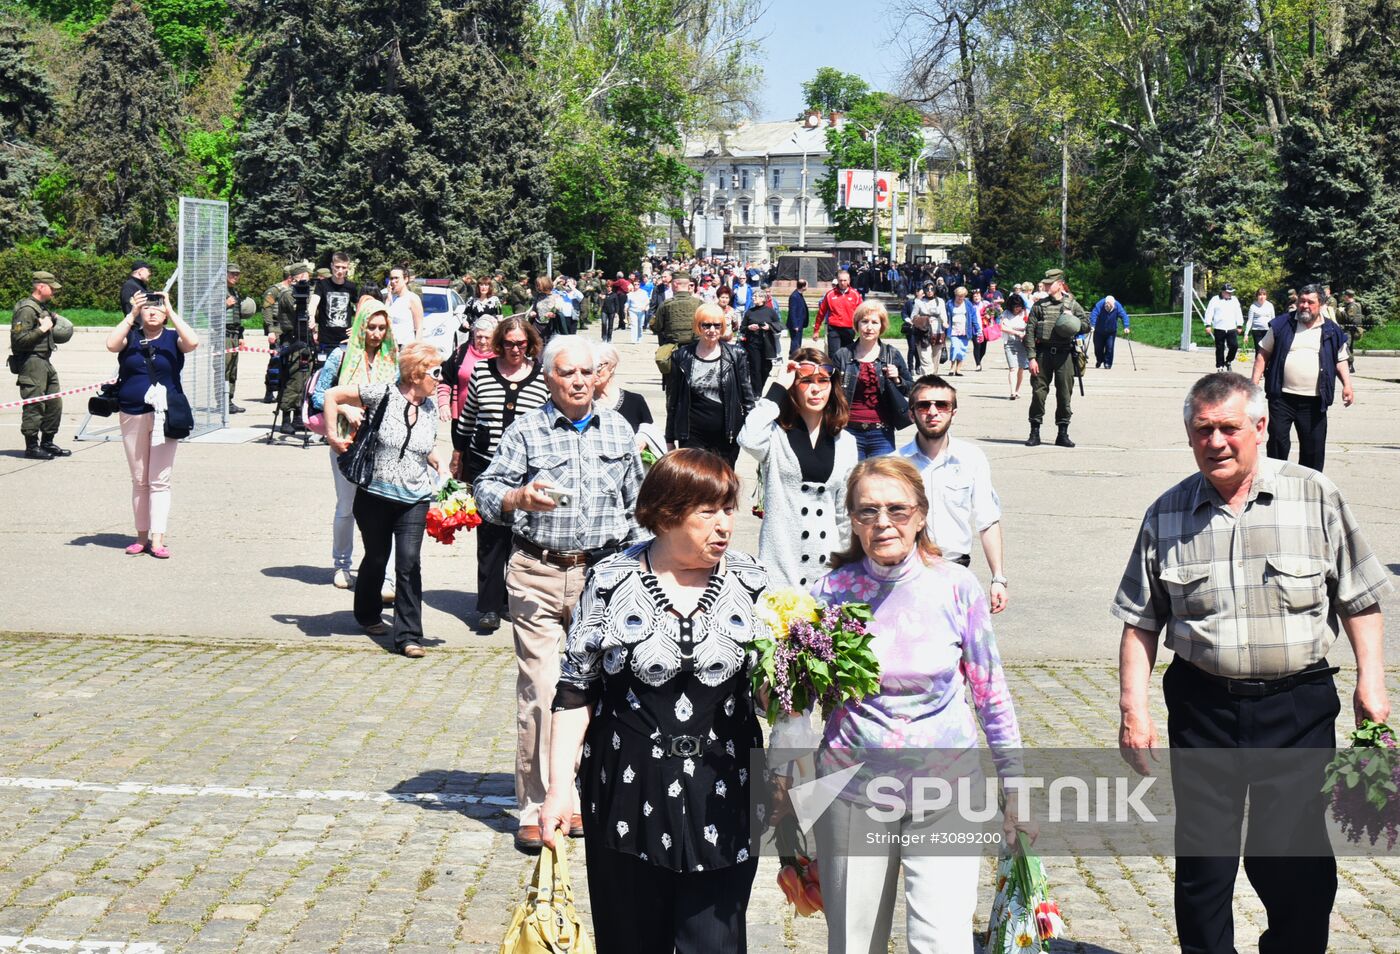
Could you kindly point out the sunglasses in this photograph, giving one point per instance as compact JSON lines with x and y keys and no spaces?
{"x":711,"y":326}
{"x":435,"y":373}
{"x":899,"y":515}
{"x":811,"y":367}
{"x":923,"y":407}
{"x":818,"y":379}
{"x":515,"y":344}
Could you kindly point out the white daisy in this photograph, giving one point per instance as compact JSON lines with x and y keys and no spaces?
{"x":628,"y":775}
{"x":622,"y":828}
{"x":711,"y":834}
{"x":656,"y":752}
{"x":674,"y":790}
{"x":688,"y":766}
{"x":742,"y":856}
{"x":720,"y":788}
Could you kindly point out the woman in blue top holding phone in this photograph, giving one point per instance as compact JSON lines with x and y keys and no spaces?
{"x":150,"y":357}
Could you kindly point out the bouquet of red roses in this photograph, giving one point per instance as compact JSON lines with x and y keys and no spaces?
{"x":453,"y":509}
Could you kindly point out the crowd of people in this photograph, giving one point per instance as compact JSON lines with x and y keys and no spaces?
{"x":631,"y":612}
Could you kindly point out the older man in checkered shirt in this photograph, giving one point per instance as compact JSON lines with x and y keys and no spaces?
{"x":565,"y":479}
{"x":1250,"y":566}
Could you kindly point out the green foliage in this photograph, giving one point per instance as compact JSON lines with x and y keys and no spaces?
{"x":89,"y":281}
{"x":949,"y":205}
{"x":832,"y":90}
{"x":184,"y":28}
{"x":849,"y":146}
{"x":26,"y":102}
{"x":124,"y":179}
{"x":1336,"y":217}
{"x":53,"y":193}
{"x":212,"y":154}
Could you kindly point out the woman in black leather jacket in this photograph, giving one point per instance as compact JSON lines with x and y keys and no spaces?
{"x":709,"y":394}
{"x":876,"y":381}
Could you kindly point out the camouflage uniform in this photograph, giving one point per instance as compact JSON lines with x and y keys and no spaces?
{"x":32,"y":349}
{"x":1054,"y":353}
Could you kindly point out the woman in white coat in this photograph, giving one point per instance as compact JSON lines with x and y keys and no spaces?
{"x":804,"y":453}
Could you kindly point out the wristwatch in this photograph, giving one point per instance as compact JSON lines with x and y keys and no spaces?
{"x":998,"y":578}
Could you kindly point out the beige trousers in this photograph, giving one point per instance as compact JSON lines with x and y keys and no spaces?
{"x":542,"y":601}
{"x":860,"y":864}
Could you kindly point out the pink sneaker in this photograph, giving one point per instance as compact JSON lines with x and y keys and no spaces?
{"x":160,"y":553}
{"x":136,"y":549}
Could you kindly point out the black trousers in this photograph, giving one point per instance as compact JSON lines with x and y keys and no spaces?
{"x":607,"y":325}
{"x":383,"y":521}
{"x":1103,"y":347}
{"x":639,"y":908}
{"x":838,"y":338}
{"x":1308,"y":415}
{"x":1258,"y":336}
{"x":1284,"y":796}
{"x":794,"y":341}
{"x":1226,"y":341}
{"x":492,"y":554}
{"x":759,"y":368}
{"x":979,"y":351}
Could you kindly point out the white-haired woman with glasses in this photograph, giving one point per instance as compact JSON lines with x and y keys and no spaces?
{"x":797,"y":432}
{"x":392,"y":508}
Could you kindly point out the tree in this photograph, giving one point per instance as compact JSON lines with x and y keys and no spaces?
{"x":126,"y":178}
{"x":850,"y":146}
{"x":831,"y":90}
{"x":1336,"y":218}
{"x":26,"y":102}
{"x":290,"y":93}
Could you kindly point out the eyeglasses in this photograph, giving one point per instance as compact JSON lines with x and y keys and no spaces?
{"x":435,"y":373}
{"x":923,"y":407}
{"x":515,"y":344}
{"x":899,"y":514}
{"x":711,"y":326}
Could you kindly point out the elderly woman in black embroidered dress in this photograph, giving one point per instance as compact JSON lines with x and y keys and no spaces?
{"x":655,"y":689}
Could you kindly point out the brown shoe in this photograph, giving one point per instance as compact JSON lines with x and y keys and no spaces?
{"x":528,"y":840}
{"x":575,"y":826}
{"x":412,"y":650}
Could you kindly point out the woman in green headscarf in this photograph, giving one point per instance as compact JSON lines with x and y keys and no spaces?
{"x":368,"y":356}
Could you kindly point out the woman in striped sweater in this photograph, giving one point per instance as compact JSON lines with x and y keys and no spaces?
{"x":501,"y":389}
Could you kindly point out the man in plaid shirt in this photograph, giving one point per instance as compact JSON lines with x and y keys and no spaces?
{"x":1250,"y":566}
{"x":565,"y":479}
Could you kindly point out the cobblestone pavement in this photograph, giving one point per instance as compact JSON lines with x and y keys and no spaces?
{"x":168,"y":796}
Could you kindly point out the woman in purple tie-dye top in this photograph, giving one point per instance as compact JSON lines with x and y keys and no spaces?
{"x":940,"y":676}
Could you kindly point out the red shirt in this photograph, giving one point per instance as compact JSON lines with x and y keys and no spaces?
{"x":865,"y":406}
{"x":838,"y":310}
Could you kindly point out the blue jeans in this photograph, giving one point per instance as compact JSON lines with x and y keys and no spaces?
{"x":873,"y":443}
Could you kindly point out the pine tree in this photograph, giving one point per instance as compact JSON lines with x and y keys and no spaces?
{"x":1336,"y":218}
{"x":121,"y":142}
{"x":290,"y":95}
{"x":26,"y":101}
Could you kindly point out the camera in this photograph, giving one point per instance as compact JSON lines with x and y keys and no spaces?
{"x":156,"y":298}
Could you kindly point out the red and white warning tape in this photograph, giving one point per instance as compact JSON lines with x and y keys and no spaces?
{"x":11,"y":405}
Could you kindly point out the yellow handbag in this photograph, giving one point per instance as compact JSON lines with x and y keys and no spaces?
{"x":547,"y":922}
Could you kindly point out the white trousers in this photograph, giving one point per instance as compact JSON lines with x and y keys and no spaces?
{"x":860,"y":879}
{"x":150,"y":466}
{"x":343,"y":526}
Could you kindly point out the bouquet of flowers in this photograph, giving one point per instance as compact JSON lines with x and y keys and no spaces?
{"x":814,"y":653}
{"x":1364,"y":781}
{"x":453,"y":509}
{"x":1023,"y":917}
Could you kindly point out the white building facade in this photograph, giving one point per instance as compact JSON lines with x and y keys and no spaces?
{"x":760,"y":180}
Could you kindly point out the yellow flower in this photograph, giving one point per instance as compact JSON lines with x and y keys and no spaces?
{"x":782,"y":607}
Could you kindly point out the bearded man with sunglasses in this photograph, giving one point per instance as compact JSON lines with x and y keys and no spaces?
{"x":958,"y":480}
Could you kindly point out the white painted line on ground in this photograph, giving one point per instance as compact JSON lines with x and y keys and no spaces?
{"x":254,"y":792}
{"x":44,"y":945}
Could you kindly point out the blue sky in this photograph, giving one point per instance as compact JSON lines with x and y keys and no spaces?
{"x":805,"y":34}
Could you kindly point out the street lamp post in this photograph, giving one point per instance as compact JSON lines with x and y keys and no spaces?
{"x":874,"y":133}
{"x":802,"y":199}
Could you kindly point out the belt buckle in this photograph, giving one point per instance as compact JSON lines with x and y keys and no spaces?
{"x":685,"y":746}
{"x":1248,"y":687}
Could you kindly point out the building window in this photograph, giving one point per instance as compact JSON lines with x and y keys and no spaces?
{"x":743,"y":178}
{"x":777,"y":179}
{"x":719,"y":178}
{"x":743,"y":213}
{"x":775,"y":213}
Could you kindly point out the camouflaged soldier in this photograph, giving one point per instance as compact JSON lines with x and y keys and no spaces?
{"x":1351,"y":316}
{"x":674,"y":322}
{"x":235,"y":310}
{"x":296,"y":356}
{"x":1055,"y":321}
{"x":465,"y":287}
{"x":269,"y":316}
{"x":593,"y":289}
{"x":34,"y":332}
{"x":518,"y":296}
